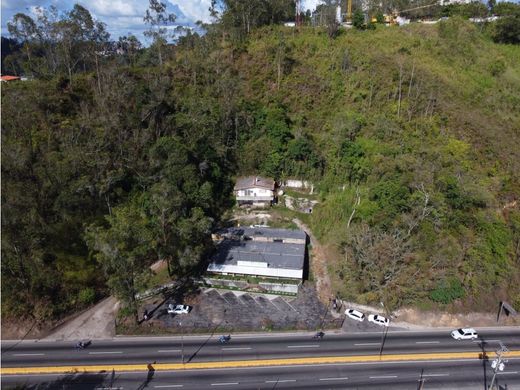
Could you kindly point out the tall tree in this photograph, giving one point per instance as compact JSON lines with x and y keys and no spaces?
{"x":23,"y":28}
{"x":157,"y":18}
{"x":124,"y":250}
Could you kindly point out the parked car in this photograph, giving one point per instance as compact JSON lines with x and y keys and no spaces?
{"x":378,"y":320}
{"x":355,"y":314}
{"x":464,"y":334}
{"x":178,"y":309}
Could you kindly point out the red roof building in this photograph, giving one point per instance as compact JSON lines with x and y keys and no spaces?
{"x":9,"y":78}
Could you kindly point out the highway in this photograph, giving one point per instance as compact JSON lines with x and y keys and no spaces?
{"x":153,"y":352}
{"x":247,"y":347}
{"x":436,"y":375}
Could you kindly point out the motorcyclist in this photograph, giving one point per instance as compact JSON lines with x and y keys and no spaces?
{"x":319,"y":335}
{"x":224,"y":339}
{"x":80,"y":345}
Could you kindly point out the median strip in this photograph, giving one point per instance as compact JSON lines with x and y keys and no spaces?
{"x":252,"y":363}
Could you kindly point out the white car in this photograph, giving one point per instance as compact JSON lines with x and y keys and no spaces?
{"x":378,"y":320}
{"x":355,"y":315}
{"x":464,"y":334}
{"x":178,"y":309}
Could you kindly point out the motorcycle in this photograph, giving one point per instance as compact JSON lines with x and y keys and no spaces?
{"x":318,"y":335}
{"x":224,"y":339}
{"x":82,"y":345}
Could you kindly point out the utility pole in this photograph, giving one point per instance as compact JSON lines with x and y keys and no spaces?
{"x":182,"y":342}
{"x":498,"y":364}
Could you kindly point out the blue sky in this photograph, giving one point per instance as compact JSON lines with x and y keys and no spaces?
{"x":121,"y":16}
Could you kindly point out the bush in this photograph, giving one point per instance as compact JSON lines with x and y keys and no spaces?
{"x":87,"y":296}
{"x":507,"y":30}
{"x":447,"y":291}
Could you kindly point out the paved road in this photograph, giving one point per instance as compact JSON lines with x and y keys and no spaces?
{"x":474,"y":374}
{"x":206,"y":348}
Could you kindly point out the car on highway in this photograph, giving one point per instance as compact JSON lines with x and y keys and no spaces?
{"x":355,"y":314}
{"x":178,"y":309}
{"x":464,"y":334}
{"x":378,"y":320}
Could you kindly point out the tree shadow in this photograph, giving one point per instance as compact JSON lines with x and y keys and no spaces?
{"x":185,"y":288}
{"x":19,"y":341}
{"x":81,"y":381}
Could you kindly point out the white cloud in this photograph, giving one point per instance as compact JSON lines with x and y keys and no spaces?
{"x":115,"y":7}
{"x":310,"y":4}
{"x":194,"y":10}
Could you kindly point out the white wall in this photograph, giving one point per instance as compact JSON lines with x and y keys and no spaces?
{"x":254,"y":191}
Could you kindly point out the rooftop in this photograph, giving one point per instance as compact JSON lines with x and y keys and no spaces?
{"x":254,"y":181}
{"x":275,"y":254}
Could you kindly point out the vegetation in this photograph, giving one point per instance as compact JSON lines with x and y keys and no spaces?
{"x":115,"y":155}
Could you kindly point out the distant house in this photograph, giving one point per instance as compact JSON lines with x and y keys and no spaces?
{"x":254,"y":190}
{"x":9,"y":78}
{"x":260,"y":252}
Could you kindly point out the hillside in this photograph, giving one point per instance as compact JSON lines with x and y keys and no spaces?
{"x":423,"y":125}
{"x":411,"y":134}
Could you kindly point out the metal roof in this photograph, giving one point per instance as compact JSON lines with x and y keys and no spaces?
{"x":275,"y":254}
{"x":254,"y":181}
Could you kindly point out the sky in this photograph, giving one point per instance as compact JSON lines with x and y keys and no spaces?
{"x":122,"y":17}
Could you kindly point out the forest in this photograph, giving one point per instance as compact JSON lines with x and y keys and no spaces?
{"x":115,"y":155}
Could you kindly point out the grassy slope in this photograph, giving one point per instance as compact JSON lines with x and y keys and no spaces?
{"x":459,"y":119}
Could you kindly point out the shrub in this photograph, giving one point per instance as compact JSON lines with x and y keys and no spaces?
{"x":87,"y":296}
{"x":507,"y":30}
{"x":447,"y":291}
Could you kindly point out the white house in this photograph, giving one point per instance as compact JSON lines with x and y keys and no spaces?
{"x":254,"y":190}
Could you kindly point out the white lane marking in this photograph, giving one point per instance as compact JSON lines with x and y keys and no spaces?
{"x":427,"y":342}
{"x":28,"y":354}
{"x":333,"y":379}
{"x":486,"y":341}
{"x":165,"y":386}
{"x":507,"y":372}
{"x":235,"y":348}
{"x":224,"y":384}
{"x":102,"y":353}
{"x":109,"y":388}
{"x":383,"y":377}
{"x":368,"y":344}
{"x":282,"y":381}
{"x":436,"y":375}
{"x":168,"y":350}
{"x":303,"y":346}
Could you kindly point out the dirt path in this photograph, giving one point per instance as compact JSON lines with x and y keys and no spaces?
{"x":318,"y":265}
{"x":95,"y":323}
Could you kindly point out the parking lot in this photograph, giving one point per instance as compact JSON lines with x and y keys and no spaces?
{"x":235,"y":311}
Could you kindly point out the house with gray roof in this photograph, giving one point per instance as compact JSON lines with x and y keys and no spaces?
{"x":254,"y":190}
{"x":260,"y":252}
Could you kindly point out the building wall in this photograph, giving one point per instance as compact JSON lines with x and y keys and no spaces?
{"x":254,"y":191}
{"x":256,"y":271}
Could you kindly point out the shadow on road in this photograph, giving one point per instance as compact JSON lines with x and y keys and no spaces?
{"x":69,"y":382}
{"x":483,"y":356}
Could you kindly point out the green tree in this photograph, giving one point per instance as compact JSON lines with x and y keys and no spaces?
{"x":157,"y":19}
{"x":23,"y":28}
{"x":358,"y":19}
{"x":124,"y":249}
{"x":507,"y":30}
